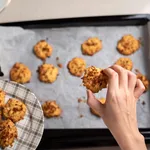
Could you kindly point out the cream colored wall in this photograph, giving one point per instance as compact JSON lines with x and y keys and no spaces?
{"x":21,"y":10}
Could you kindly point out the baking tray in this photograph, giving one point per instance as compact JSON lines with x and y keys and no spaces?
{"x":58,"y":138}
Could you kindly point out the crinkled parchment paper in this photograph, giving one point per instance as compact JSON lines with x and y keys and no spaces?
{"x":16,"y":45}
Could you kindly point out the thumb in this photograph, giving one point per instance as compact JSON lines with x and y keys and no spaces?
{"x":94,"y":103}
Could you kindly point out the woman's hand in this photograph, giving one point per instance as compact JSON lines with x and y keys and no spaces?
{"x":119,"y":111}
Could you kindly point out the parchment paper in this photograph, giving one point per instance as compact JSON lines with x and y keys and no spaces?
{"x":16,"y":45}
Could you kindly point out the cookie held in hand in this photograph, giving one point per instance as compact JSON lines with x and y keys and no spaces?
{"x":94,"y":79}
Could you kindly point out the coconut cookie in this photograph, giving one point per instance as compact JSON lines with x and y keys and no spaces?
{"x":94,"y":79}
{"x":91,"y":46}
{"x":47,"y":73}
{"x":43,"y":50}
{"x":144,"y":80}
{"x":20,"y":73}
{"x":125,"y":63}
{"x":94,"y":112}
{"x":14,"y":110}
{"x":8,"y":133}
{"x":77,"y":66}
{"x":51,"y":109}
{"x":128,"y":45}
{"x":2,"y":98}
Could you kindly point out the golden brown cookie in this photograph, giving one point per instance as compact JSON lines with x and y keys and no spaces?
{"x":94,"y":79}
{"x":14,"y":110}
{"x":128,"y":45}
{"x":144,"y":80}
{"x":20,"y":73}
{"x":47,"y":73}
{"x":125,"y":63}
{"x":77,"y":66}
{"x":2,"y":97}
{"x":43,"y":50}
{"x":8,"y":133}
{"x":51,"y":109}
{"x":94,"y":112}
{"x":0,"y":114}
{"x":91,"y":46}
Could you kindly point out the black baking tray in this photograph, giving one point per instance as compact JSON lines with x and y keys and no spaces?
{"x":77,"y":138}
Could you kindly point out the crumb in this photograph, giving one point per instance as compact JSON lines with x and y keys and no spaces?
{"x":79,"y":100}
{"x":57,"y":58}
{"x":59,"y":65}
{"x":143,"y":103}
{"x":81,"y":116}
{"x":46,"y":38}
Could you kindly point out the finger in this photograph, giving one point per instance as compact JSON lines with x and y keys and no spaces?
{"x":140,"y":88}
{"x":112,"y":79}
{"x":94,"y":103}
{"x":132,"y":79}
{"x":123,"y":76}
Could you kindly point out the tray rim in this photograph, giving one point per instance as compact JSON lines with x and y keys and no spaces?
{"x":77,"y":138}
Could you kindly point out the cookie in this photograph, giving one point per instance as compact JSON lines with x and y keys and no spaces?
{"x":125,"y":63}
{"x":2,"y":98}
{"x":77,"y":66}
{"x":0,"y":114}
{"x":43,"y":50}
{"x":8,"y":133}
{"x":20,"y":73}
{"x":128,"y":45}
{"x":51,"y":109}
{"x":94,"y":79}
{"x":14,"y":110}
{"x":144,"y":80}
{"x":91,"y":46}
{"x":47,"y":73}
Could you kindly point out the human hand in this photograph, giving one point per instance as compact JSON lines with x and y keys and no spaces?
{"x":119,"y":111}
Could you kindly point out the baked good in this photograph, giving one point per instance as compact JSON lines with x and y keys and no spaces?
{"x":0,"y":114}
{"x":2,"y":98}
{"x":125,"y":63}
{"x":8,"y":133}
{"x":94,"y":112}
{"x":94,"y":79}
{"x":20,"y":73}
{"x":51,"y":109}
{"x":43,"y":50}
{"x":128,"y":45}
{"x":47,"y":73}
{"x":91,"y":46}
{"x":14,"y":110}
{"x":144,"y":80}
{"x":77,"y":66}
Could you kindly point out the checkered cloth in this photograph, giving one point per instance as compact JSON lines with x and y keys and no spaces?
{"x":30,"y":129}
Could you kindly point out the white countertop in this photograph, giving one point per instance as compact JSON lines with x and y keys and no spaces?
{"x":23,"y":10}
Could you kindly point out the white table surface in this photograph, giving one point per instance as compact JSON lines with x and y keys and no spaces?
{"x":22,"y":10}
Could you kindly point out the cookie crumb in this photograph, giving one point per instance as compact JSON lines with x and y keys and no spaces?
{"x":79,"y":100}
{"x":143,"y":103}
{"x":59,"y":65}
{"x":57,"y":58}
{"x":81,"y":116}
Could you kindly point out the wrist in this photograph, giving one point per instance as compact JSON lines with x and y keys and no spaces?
{"x":131,"y":141}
